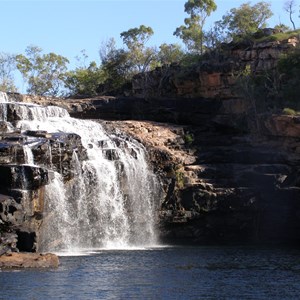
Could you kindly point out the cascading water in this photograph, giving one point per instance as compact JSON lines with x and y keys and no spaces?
{"x":110,"y":202}
{"x":3,"y":97}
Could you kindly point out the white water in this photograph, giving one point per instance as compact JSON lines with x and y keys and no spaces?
{"x":3,"y":97}
{"x":110,"y":203}
{"x":3,"y":106}
{"x":29,"y":159}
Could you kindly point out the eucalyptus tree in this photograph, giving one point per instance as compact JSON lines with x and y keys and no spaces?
{"x":169,"y":53}
{"x":139,"y":56}
{"x":116,"y":65}
{"x":44,"y":73}
{"x":7,"y":68}
{"x":85,"y":80}
{"x":289,"y":7}
{"x":246,"y":19}
{"x":192,"y":32}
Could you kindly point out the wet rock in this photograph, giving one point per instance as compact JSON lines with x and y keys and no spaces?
{"x":22,"y":177}
{"x":10,"y":210}
{"x":8,"y":242}
{"x":110,"y":154}
{"x":11,"y":152}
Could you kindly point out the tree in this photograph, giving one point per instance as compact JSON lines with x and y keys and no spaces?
{"x":289,"y":7}
{"x":289,"y":68}
{"x":86,"y":78}
{"x":192,"y":32}
{"x":215,"y":36}
{"x":44,"y":73}
{"x":7,"y":66}
{"x":246,"y":19}
{"x":169,"y":53}
{"x":117,"y":68}
{"x":139,"y":56}
{"x":85,"y":81}
{"x":106,"y":48}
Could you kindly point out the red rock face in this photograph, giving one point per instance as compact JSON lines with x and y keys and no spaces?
{"x":212,"y":78}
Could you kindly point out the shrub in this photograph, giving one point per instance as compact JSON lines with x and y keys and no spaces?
{"x":289,"y":111}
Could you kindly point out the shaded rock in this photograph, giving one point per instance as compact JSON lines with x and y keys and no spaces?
{"x":221,"y":186}
{"x":22,"y":177}
{"x":8,"y":242}
{"x":282,"y":125}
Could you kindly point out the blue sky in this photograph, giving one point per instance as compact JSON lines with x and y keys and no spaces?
{"x":68,"y":26}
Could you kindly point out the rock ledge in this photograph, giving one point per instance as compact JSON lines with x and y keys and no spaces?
{"x":29,"y":260}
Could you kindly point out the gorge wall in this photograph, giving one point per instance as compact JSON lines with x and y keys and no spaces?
{"x":228,"y":175}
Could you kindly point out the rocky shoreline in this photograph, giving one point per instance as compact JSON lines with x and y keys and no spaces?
{"x":14,"y":260}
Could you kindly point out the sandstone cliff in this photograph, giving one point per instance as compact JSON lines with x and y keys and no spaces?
{"x":213,"y":77}
{"x":229,"y":174}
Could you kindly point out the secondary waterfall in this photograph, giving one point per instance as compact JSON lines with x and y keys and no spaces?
{"x":109,"y":203}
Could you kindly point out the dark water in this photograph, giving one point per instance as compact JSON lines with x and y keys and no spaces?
{"x":166,"y":273}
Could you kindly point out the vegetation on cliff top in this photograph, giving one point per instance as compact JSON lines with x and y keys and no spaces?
{"x":48,"y":74}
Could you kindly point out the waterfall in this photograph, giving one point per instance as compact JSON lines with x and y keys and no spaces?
{"x":3,"y":97}
{"x":29,"y":159}
{"x":110,"y":202}
{"x":3,"y":106}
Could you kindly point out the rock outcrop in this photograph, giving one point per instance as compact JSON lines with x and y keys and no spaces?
{"x":28,"y":260}
{"x":215,"y":77}
{"x":229,"y":174}
{"x":22,"y":184}
{"x":222,"y":186}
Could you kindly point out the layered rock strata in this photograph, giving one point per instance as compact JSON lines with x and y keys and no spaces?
{"x":22,"y":183}
{"x":224,"y":187}
{"x":228,"y":173}
{"x":214,"y":77}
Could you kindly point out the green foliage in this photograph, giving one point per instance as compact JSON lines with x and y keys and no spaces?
{"x":289,"y":111}
{"x":44,"y":73}
{"x":120,"y":65}
{"x":190,"y":59}
{"x":189,"y":138}
{"x":280,"y":36}
{"x":282,"y":27}
{"x":7,"y":66}
{"x":261,"y":90}
{"x":135,"y":38}
{"x":85,"y":81}
{"x":117,"y":69}
{"x":138,"y":55}
{"x":203,"y":8}
{"x":289,"y":67}
{"x":246,"y":19}
{"x":192,"y":32}
{"x":169,"y":53}
{"x":214,"y":37}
